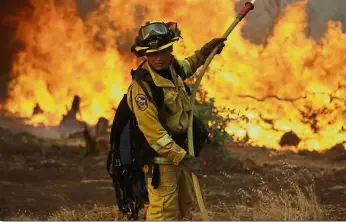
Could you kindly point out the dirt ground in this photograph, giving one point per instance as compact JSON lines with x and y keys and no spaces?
{"x":42,"y":178}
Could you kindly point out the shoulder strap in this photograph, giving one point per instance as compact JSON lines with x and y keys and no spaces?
{"x":178,"y":69}
{"x":140,"y":75}
{"x":133,"y":72}
{"x":156,"y":97}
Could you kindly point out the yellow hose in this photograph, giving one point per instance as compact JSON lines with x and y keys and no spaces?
{"x":190,"y":130}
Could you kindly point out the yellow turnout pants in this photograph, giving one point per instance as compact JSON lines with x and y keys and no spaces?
{"x":172,"y":199}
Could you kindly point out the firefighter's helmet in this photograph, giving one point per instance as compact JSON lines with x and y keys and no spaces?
{"x":155,"y":36}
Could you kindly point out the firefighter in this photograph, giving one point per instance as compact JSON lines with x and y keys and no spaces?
{"x":174,"y":195}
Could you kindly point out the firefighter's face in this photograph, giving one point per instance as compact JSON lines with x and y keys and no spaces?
{"x":161,"y":59}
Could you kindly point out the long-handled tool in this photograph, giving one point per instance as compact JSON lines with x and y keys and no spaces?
{"x":248,"y":7}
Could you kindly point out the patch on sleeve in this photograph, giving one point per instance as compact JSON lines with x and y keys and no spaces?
{"x":142,"y":102}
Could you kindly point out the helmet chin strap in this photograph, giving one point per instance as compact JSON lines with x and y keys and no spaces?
{"x":171,"y":61}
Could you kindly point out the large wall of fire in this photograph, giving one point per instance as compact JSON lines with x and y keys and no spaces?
{"x":282,"y":70}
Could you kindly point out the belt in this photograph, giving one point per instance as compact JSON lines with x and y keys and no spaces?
{"x":162,"y":160}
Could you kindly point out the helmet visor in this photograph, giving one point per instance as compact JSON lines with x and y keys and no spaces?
{"x":153,"y":29}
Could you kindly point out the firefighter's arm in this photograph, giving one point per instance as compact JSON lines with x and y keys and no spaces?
{"x":148,"y":122}
{"x":190,"y":64}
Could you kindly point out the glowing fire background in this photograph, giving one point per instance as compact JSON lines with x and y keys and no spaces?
{"x":283,"y":69}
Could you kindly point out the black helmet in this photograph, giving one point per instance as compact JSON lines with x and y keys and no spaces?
{"x":155,"y":36}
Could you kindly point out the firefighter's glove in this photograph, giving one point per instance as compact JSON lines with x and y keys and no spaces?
{"x":206,"y":50}
{"x":192,"y":164}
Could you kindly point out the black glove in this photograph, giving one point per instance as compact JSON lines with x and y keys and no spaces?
{"x":205,"y":51}
{"x":192,"y":164}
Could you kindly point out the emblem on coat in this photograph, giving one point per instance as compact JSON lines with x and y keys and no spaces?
{"x":141,"y":101}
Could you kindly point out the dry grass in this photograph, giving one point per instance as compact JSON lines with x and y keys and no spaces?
{"x":294,"y":204}
{"x":287,"y":205}
{"x":291,"y":198}
{"x":97,"y":213}
{"x":21,"y":216}
{"x":291,"y":204}
{"x":335,"y":212}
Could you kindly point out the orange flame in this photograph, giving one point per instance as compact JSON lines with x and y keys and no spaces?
{"x":291,"y":83}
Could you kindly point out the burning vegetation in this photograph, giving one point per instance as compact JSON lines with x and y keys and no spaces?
{"x":288,"y":91}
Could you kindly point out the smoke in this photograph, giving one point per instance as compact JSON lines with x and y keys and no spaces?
{"x":7,"y":45}
{"x":86,"y":6}
{"x":261,"y":20}
{"x":321,"y":11}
